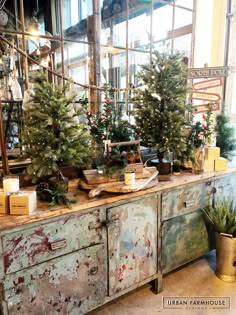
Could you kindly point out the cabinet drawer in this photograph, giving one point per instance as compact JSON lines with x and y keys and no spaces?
{"x":225,"y":187}
{"x":184,"y":200}
{"x":184,"y":238}
{"x":72,"y":284}
{"x":34,"y":245}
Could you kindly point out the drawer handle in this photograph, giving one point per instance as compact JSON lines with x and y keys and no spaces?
{"x":93,"y":271}
{"x":108,"y":223}
{"x":57,"y":244}
{"x":189,"y":203}
{"x":94,"y":226}
{"x":214,"y":190}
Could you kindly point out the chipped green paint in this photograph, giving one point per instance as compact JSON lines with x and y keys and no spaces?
{"x":34,"y":245}
{"x":184,"y":238}
{"x":226,"y":187}
{"x":132,"y":243}
{"x":183,"y":200}
{"x":60,"y":265}
{"x":72,"y":284}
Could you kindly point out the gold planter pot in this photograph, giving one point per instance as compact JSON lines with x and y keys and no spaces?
{"x":226,"y":257}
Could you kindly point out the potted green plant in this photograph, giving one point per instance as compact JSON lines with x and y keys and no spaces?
{"x":176,"y":167}
{"x":52,"y":136}
{"x":160,"y":106}
{"x":225,"y":138}
{"x":221,"y":216}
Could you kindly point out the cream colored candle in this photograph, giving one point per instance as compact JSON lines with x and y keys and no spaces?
{"x":11,"y":184}
{"x":129,"y":178}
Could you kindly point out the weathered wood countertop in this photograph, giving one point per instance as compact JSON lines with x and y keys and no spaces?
{"x":44,"y":211}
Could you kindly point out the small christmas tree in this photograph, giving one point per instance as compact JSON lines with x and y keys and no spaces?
{"x":225,"y":139}
{"x":52,"y":135}
{"x":160,"y":104}
{"x":108,"y":123}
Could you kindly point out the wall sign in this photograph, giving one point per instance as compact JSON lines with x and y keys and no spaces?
{"x":202,"y":91}
{"x":207,"y":84}
{"x":207,"y":72}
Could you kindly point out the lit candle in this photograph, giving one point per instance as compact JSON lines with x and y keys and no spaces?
{"x":11,"y":184}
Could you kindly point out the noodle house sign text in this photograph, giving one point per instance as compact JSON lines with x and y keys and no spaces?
{"x":208,"y":72}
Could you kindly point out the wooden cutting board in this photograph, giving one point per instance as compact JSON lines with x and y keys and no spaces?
{"x":120,"y":187}
{"x":92,"y":176}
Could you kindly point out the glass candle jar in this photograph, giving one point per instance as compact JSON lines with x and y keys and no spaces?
{"x":11,"y":184}
{"x":129,"y":177}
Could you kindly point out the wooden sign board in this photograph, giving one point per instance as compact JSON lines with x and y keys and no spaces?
{"x":207,"y":72}
{"x":203,"y":96}
{"x":207,"y":84}
{"x":205,"y":107}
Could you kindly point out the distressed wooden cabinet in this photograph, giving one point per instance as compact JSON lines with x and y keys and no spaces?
{"x":73,"y":261}
{"x":54,"y":267}
{"x":60,"y":266}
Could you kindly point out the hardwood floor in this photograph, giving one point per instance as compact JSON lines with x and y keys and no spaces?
{"x":197,"y":279}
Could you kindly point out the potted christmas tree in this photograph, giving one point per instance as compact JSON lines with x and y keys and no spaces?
{"x":160,"y":105}
{"x":52,"y":136}
{"x":225,"y":139}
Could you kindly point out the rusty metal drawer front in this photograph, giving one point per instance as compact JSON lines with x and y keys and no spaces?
{"x":34,"y":245}
{"x":183,"y":200}
{"x":72,"y":284}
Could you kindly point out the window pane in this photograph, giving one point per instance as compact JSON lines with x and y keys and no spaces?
{"x":135,"y":60}
{"x":182,"y":18}
{"x":113,"y":15}
{"x":185,"y":3}
{"x":162,"y":23}
{"x":139,"y":26}
{"x":163,"y":46}
{"x":113,"y":63}
{"x":76,"y":61}
{"x":182,"y":45}
{"x":75,"y":15}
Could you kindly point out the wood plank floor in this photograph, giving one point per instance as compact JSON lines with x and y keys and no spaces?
{"x":197,"y":279}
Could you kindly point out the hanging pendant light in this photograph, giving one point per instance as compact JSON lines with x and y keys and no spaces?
{"x":33,"y":26}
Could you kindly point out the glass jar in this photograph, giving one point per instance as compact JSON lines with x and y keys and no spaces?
{"x":198,"y":160}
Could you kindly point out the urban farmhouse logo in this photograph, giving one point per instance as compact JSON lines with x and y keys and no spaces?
{"x":199,"y":302}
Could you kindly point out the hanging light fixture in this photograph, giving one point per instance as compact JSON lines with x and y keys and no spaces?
{"x":33,"y":26}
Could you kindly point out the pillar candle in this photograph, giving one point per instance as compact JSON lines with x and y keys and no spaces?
{"x":11,"y":184}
